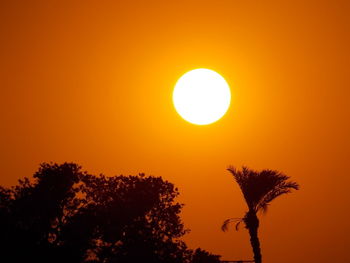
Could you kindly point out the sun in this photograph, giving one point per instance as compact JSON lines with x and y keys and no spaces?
{"x":201,"y":96}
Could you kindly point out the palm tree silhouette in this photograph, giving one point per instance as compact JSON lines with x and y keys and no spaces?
{"x":259,"y":188}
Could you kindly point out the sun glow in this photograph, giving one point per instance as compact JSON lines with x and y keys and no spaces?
{"x":201,"y":96}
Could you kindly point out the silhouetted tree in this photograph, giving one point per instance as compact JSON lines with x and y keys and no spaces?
{"x":67,"y":215}
{"x":138,"y":219}
{"x":32,"y":212}
{"x":259,"y":188}
{"x":202,"y":256}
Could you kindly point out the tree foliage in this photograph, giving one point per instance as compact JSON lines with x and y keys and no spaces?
{"x":64,"y":214}
{"x":259,"y":188}
{"x":67,"y":215}
{"x":202,"y":256}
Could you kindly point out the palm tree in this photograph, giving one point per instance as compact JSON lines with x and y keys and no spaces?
{"x":259,"y":188}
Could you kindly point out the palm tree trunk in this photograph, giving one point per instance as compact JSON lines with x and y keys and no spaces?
{"x":252,"y":223}
{"x":254,"y":241}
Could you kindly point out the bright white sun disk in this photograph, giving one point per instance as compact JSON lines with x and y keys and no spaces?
{"x":201,"y":96}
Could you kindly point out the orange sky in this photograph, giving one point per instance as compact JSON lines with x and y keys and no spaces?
{"x":91,"y":82}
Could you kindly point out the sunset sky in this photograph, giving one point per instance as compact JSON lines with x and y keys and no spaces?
{"x":92,"y":81}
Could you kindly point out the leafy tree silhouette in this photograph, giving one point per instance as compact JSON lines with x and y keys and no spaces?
{"x":67,"y":215}
{"x":202,"y":256}
{"x":259,"y":188}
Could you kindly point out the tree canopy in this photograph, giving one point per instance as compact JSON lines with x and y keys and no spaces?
{"x":64,"y":214}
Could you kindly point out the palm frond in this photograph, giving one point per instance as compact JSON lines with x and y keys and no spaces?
{"x":259,"y":188}
{"x":227,"y":222}
{"x":263,"y":208}
{"x":281,"y":186}
{"x":237,"y":225}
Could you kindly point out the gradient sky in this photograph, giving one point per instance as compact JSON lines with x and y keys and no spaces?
{"x":91,"y":82}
